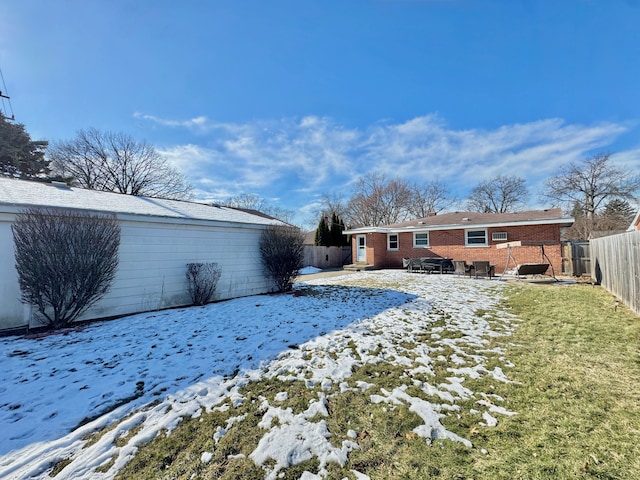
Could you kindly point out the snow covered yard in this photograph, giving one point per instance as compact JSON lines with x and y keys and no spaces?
{"x":142,"y":374}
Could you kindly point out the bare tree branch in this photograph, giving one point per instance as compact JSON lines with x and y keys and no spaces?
{"x":588,"y":184}
{"x":500,"y":194}
{"x":379,"y":201}
{"x":116,"y":162}
{"x":251,"y":201}
{"x":430,"y":198}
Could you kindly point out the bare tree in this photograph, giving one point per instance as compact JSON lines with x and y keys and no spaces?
{"x":331,"y":204}
{"x":251,"y":201}
{"x":116,"y":162}
{"x":66,"y":260}
{"x":615,"y":216}
{"x":429,"y":199}
{"x":282,"y":254}
{"x":379,"y":201}
{"x":500,"y":194}
{"x":588,"y":184}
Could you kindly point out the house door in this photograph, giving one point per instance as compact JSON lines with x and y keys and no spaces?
{"x":361,"y":248}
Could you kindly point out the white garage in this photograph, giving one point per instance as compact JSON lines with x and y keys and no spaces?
{"x":158,"y":238}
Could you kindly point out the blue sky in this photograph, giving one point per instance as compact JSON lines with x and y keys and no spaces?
{"x":293,"y":99}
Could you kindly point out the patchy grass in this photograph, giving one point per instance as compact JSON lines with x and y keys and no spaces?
{"x":577,"y":393}
{"x":59,"y":466}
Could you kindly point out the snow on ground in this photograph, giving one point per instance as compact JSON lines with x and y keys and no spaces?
{"x":59,"y":388}
{"x":309,"y":270}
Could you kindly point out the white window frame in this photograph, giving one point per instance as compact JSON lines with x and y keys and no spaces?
{"x":397,"y":247}
{"x":498,"y":236}
{"x":466,"y":237}
{"x":416,"y":245}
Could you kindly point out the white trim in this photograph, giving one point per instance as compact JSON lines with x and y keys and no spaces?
{"x":362,"y":230}
{"x":361,"y":251}
{"x":415,"y":245}
{"x":567,"y":221}
{"x":475,"y":245}
{"x":389,"y":242}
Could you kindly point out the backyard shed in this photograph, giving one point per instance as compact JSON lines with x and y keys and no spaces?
{"x":158,"y":238}
{"x":467,"y":236}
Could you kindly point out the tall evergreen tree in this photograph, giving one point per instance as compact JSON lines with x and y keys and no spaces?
{"x":619,"y":211}
{"x":346,"y":239}
{"x":323,"y":234}
{"x":337,"y":227}
{"x":21,"y":157}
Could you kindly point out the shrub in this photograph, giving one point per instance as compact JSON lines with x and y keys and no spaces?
{"x":282,"y":254}
{"x":66,"y":261}
{"x":202,"y":279}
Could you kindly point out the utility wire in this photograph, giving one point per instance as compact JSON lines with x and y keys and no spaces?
{"x":6,"y":100}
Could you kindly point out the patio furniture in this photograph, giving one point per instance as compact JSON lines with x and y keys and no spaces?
{"x":482,"y":268}
{"x":428,"y":264}
{"x":460,"y":267}
{"x":531,"y":268}
{"x":527,"y":268}
{"x":412,"y":264}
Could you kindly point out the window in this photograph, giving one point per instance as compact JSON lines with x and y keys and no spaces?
{"x":476,"y":238}
{"x":392,"y":241}
{"x":420,"y":240}
{"x":499,"y":236}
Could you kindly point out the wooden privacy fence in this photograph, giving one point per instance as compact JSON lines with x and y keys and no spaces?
{"x":576,"y":258}
{"x":326,"y":257}
{"x":615,"y":264}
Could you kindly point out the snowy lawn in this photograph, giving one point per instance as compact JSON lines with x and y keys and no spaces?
{"x":141,"y":375}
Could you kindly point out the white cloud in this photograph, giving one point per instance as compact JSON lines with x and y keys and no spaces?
{"x":199,"y":123}
{"x":628,"y":160}
{"x":298,"y":159}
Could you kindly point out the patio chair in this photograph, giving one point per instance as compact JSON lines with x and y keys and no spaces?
{"x":412,"y":264}
{"x":460,"y":267}
{"x":482,"y":268}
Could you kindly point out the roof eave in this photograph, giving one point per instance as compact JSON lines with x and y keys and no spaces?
{"x":562,"y":222}
{"x":356,"y":231}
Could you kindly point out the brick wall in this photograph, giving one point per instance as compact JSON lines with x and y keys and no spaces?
{"x":450,"y":244}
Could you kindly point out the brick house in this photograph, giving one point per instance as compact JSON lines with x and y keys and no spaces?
{"x":465,"y":236}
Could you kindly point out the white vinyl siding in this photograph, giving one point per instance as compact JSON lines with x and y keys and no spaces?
{"x":476,"y":237}
{"x":421,"y":240}
{"x":153,"y":258}
{"x":392,"y":241}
